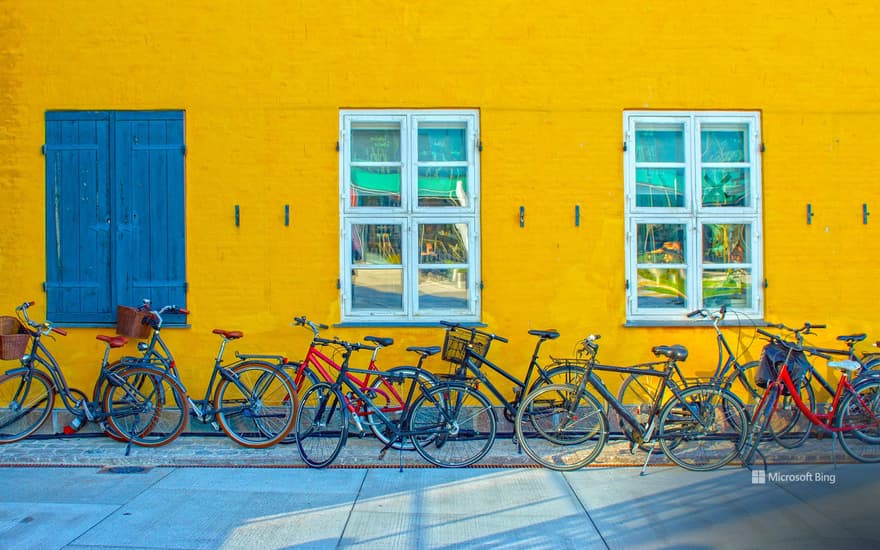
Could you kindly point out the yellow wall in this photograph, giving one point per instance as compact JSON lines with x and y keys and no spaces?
{"x":262,"y":84}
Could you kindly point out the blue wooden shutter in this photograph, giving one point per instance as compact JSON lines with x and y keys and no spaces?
{"x":151,"y":240}
{"x":78,"y":219}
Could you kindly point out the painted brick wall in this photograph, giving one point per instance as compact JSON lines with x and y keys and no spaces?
{"x":262,"y":84}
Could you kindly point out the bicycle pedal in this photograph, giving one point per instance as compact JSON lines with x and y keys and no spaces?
{"x":216,"y":426}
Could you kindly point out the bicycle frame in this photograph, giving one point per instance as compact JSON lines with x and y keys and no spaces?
{"x":50,"y":367}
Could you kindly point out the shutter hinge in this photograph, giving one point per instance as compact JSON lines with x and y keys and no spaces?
{"x":45,"y":288}
{"x":481,"y":285}
{"x":762,"y":148}
{"x":624,"y":147}
{"x":626,"y":284}
{"x":337,"y":146}
{"x":186,"y":287}
{"x":766,"y":283}
{"x":183,"y":149}
{"x":43,"y":149}
{"x":480,"y":145}
{"x":338,"y":284}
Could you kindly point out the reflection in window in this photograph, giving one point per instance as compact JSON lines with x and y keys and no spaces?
{"x":376,"y":244}
{"x":377,"y":289}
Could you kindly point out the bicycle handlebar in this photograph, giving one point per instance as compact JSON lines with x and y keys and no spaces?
{"x":350,"y":346}
{"x":490,"y":335}
{"x":714,"y":315}
{"x":43,"y":328}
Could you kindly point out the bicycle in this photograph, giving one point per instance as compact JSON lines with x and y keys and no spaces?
{"x":854,"y":413}
{"x":466,"y":349}
{"x":250,"y":399}
{"x":449,"y":424}
{"x":132,"y":402}
{"x":564,"y":427}
{"x":386,"y":391}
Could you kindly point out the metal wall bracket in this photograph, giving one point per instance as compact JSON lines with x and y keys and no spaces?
{"x":286,"y":215}
{"x":865,"y":213}
{"x":522,"y":216}
{"x":577,"y":215}
{"x":237,"y":216}
{"x":809,"y":213}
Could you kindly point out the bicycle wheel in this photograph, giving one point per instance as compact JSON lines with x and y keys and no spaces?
{"x":321,"y":425}
{"x":453,"y":425}
{"x":760,"y":420}
{"x":307,"y":379}
{"x":637,"y":394}
{"x":858,"y":418}
{"x":256,"y":408}
{"x":701,"y":428}
{"x":561,"y":428}
{"x":100,"y":389}
{"x":145,"y":406}
{"x":26,"y":401}
{"x":389,"y":392}
{"x":570,"y":374}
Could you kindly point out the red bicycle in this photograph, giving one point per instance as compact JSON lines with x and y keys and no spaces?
{"x":854,"y":414}
{"x":387,"y":389}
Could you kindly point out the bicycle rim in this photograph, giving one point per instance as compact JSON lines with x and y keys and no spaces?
{"x":701,"y":429}
{"x":561,"y":428}
{"x":859,"y":421}
{"x":389,"y":394}
{"x":321,"y":425}
{"x":26,"y":401}
{"x":256,"y":409}
{"x":145,"y":406}
{"x":453,"y":425}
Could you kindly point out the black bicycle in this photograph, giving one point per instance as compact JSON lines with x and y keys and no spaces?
{"x":564,"y":426}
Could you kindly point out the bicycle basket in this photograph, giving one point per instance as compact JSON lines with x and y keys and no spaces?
{"x":458,"y":339}
{"x":13,"y":339}
{"x":773,"y":356}
{"x":130,"y":322}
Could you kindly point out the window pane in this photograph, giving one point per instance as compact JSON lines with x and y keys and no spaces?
{"x":661,"y":288}
{"x":443,"y":288}
{"x":660,"y":187}
{"x":728,"y":144}
{"x":731,"y":287}
{"x":660,"y":144}
{"x":727,"y":243}
{"x":660,"y":243}
{"x":442,"y":144}
{"x":377,"y":289}
{"x":376,"y":144}
{"x":443,"y":186}
{"x":443,"y":243}
{"x":378,"y":186}
{"x":375,"y":244}
{"x":726,"y":187}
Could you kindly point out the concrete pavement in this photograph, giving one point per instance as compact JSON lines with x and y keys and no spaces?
{"x":438,"y":508}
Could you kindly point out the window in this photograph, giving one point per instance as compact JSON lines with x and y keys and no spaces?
{"x":114,"y":213}
{"x":409,"y":185}
{"x":693,"y":213}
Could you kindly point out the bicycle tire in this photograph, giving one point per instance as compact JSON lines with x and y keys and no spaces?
{"x":453,"y":424}
{"x":636,"y":394}
{"x":858,"y":419}
{"x":401,"y":380}
{"x":26,"y":401}
{"x":755,"y":432}
{"x":257,"y":407}
{"x":98,"y":396}
{"x":561,"y":428}
{"x":321,"y":425}
{"x":696,"y":431}
{"x":146,"y":406}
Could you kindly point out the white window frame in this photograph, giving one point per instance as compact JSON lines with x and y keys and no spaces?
{"x":410,"y":215}
{"x":693,"y":215}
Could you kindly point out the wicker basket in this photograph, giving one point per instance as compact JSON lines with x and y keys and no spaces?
{"x":458,"y":339}
{"x":13,"y":339}
{"x":130,"y":322}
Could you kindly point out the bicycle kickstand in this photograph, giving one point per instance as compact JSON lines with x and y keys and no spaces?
{"x":647,"y":459}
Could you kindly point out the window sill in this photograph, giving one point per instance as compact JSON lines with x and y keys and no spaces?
{"x":404,"y":324}
{"x":700,"y":323}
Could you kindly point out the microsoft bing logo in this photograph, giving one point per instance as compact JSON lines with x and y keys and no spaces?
{"x":759,"y":477}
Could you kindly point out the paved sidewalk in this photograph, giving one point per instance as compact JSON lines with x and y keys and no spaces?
{"x":218,"y":451}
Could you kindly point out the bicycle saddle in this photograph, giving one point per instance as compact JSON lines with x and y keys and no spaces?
{"x":548,"y":334}
{"x":229,"y":334}
{"x":113,"y":341}
{"x":852,"y":337}
{"x":676,"y":352}
{"x":384,"y":342}
{"x":426,"y":351}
